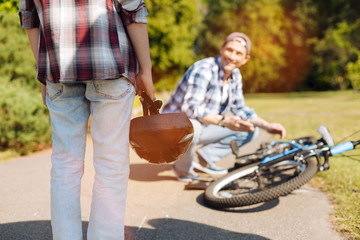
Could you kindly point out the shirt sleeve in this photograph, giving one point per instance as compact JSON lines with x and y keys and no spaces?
{"x":28,"y":14}
{"x":132,"y":11}
{"x":198,"y":80}
{"x":239,"y":107}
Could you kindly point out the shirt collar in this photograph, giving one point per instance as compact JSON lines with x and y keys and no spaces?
{"x":218,"y":63}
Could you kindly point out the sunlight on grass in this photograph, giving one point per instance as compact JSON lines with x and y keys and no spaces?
{"x":342,"y":183}
{"x":6,"y":155}
{"x":302,"y":114}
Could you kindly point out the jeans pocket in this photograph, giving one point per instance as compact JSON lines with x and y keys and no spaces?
{"x":54,"y":90}
{"x":112,"y":89}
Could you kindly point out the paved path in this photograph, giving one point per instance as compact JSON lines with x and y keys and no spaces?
{"x":159,"y":207}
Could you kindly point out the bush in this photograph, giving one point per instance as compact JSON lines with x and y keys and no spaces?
{"x":17,"y":63}
{"x":9,"y":5}
{"x":24,"y":121}
{"x":173,"y":27}
{"x":278,"y":55}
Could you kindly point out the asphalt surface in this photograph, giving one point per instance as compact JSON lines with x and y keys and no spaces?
{"x":158,"y":206}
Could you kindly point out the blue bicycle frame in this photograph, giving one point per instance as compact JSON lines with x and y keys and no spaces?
{"x":334,"y":150}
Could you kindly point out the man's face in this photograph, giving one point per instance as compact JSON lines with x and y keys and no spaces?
{"x":233,"y":55}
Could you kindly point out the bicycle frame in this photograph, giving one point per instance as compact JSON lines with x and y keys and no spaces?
{"x":279,"y":157}
{"x":314,"y":150}
{"x":273,"y":170}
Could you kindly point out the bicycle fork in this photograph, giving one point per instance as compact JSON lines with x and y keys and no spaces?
{"x":259,"y":178}
{"x":334,"y":150}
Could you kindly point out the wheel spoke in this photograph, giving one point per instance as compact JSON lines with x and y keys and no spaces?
{"x":271,"y":177}
{"x":253,"y":183}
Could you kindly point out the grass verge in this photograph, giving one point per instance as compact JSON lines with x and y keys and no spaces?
{"x":301,"y":114}
{"x":6,"y":155}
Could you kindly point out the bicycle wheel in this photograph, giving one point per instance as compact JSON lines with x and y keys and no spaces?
{"x":269,"y":149}
{"x":242,"y":186}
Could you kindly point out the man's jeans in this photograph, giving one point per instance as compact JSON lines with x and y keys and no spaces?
{"x":216,"y":143}
{"x":110,"y":104}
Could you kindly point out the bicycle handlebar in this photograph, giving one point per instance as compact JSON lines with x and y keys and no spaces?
{"x":356,"y":143}
{"x":326,"y":136}
{"x":343,"y":147}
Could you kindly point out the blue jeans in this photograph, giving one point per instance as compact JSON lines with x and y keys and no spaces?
{"x":70,"y":104}
{"x":216,"y":144}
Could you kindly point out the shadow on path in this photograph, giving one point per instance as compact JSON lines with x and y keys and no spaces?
{"x":175,"y":229}
{"x":245,"y":209}
{"x":30,"y":230}
{"x":149,"y":172}
{"x":163,"y":228}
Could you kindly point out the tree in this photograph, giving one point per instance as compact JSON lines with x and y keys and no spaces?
{"x":336,"y":45}
{"x":274,"y":66}
{"x":9,"y":6}
{"x":17,"y":63}
{"x":333,"y":53}
{"x":24,"y":120}
{"x":353,"y":73}
{"x":173,"y":27}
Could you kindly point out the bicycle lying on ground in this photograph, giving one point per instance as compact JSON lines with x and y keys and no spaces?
{"x":275,"y":169}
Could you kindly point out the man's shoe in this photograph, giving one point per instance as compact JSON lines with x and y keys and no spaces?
{"x":211,"y":169}
{"x":184,"y":176}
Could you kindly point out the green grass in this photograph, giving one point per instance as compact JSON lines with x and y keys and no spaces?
{"x":301,"y":114}
{"x":6,"y":155}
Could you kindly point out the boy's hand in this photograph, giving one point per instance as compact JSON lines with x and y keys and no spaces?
{"x":144,"y":84}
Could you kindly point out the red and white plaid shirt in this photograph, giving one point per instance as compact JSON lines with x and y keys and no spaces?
{"x":83,"y":39}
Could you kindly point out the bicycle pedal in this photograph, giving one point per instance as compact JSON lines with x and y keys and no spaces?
{"x":197,"y":185}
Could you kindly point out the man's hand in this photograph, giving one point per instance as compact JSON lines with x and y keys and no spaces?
{"x":273,"y":128}
{"x":235,"y":123}
{"x":276,"y":128}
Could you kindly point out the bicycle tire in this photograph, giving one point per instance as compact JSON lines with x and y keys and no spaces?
{"x":268,"y":150}
{"x":216,"y":198}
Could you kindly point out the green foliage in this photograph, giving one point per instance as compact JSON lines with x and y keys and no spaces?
{"x":265,"y":25}
{"x":292,"y":41}
{"x":173,"y":27}
{"x":9,"y":6}
{"x":273,"y":67}
{"x":167,"y":83}
{"x":353,"y":73}
{"x":336,"y":44}
{"x":17,"y":62}
{"x":24,"y":122}
{"x":335,"y":54}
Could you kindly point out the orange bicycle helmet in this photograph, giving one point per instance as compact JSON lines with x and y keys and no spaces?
{"x":160,"y":138}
